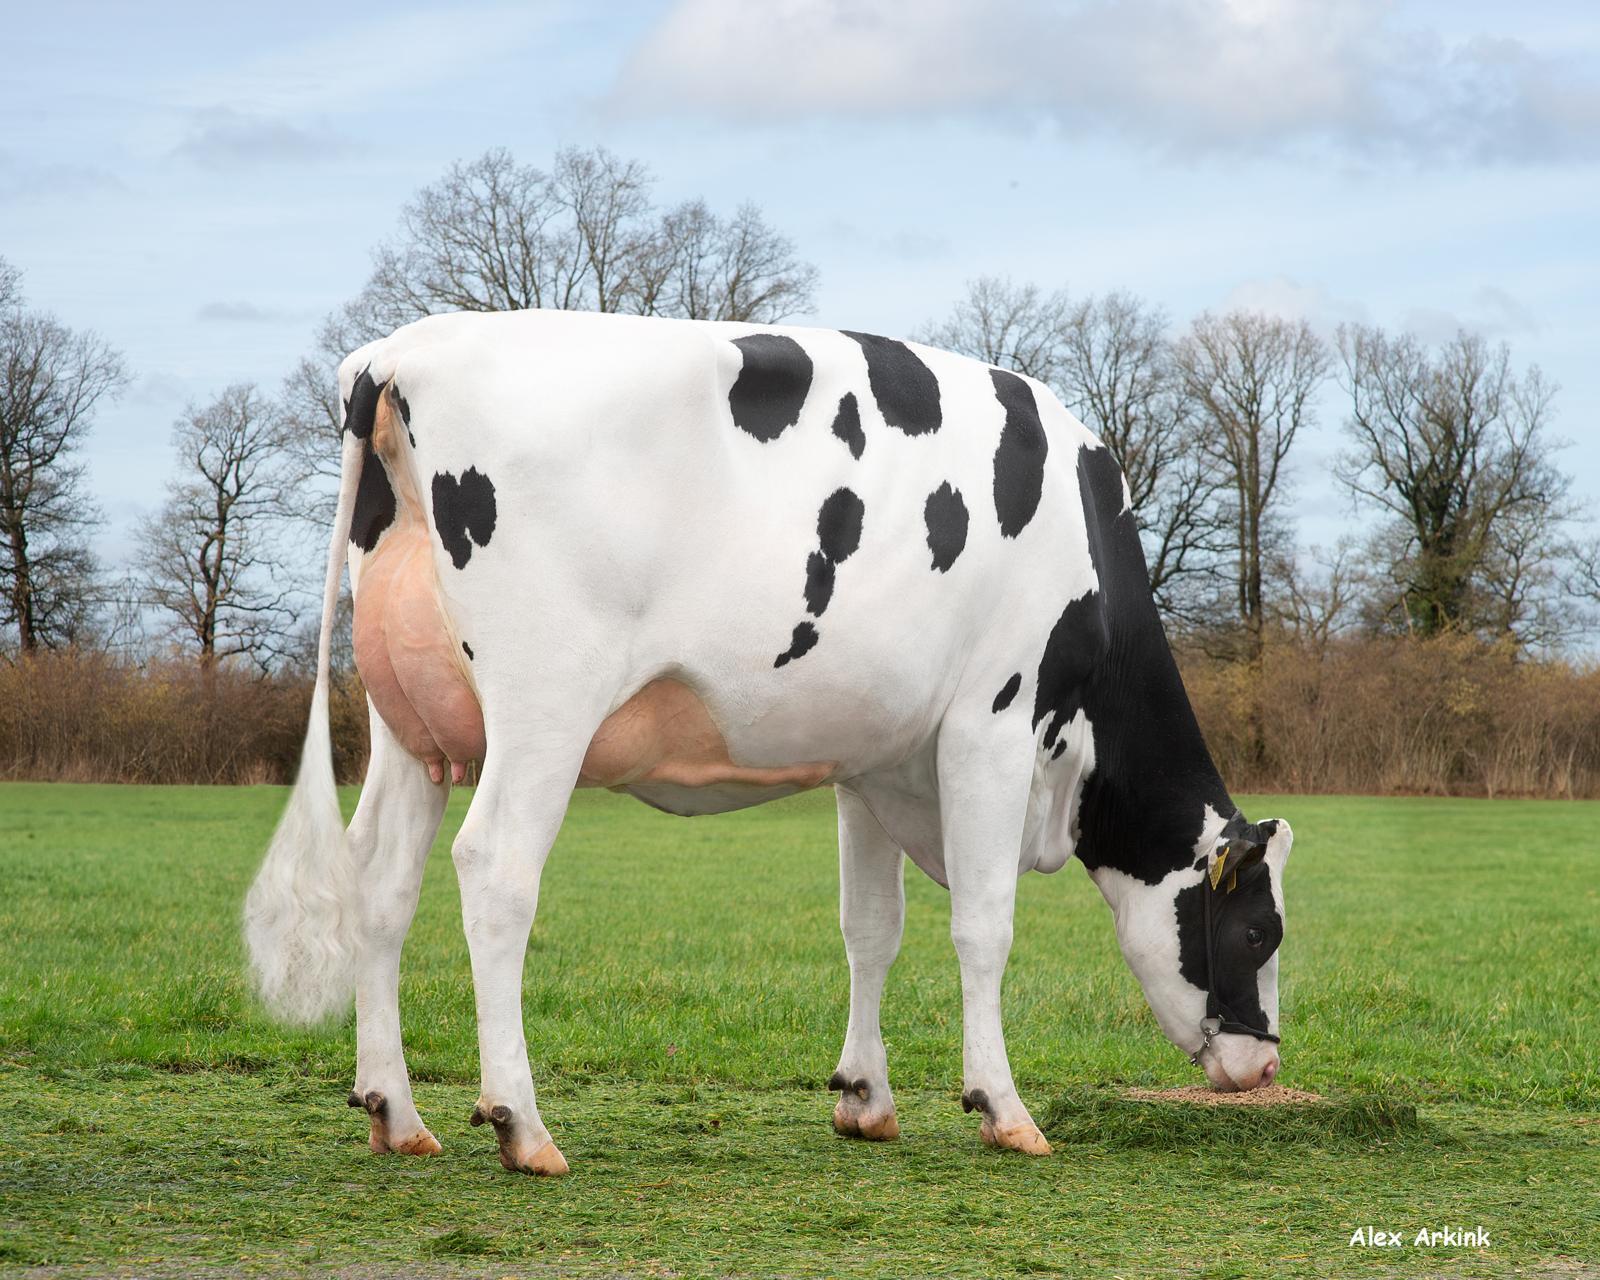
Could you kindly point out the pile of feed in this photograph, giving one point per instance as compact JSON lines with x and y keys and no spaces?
{"x":1181,"y":1119}
{"x":1274,"y":1095}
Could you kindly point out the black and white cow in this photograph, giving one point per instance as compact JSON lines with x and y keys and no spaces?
{"x":713,"y":564}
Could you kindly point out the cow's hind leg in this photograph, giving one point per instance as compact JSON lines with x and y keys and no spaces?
{"x":983,"y":797}
{"x":499,"y":856}
{"x":871,"y":916}
{"x":390,"y":835}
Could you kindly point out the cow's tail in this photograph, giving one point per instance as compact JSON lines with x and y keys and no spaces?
{"x":300,"y":912}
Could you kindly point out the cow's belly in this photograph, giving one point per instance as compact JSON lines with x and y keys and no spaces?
{"x":695,"y":802}
{"x":662,"y":746}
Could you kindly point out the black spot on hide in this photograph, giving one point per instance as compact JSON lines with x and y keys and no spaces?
{"x":767,"y":396}
{"x":905,"y":389}
{"x":838,"y":536}
{"x":847,"y":425}
{"x":819,"y":583}
{"x":805,"y":636}
{"x":1019,"y":461}
{"x":361,"y":408}
{"x":375,"y":504}
{"x":839,"y":524}
{"x":463,"y":512}
{"x":945,"y":514}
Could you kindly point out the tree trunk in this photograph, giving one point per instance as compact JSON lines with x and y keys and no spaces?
{"x":22,"y":591}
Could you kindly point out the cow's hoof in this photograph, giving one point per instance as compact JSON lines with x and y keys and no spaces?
{"x":1024,"y":1137}
{"x":518,"y":1154}
{"x":862,"y":1111}
{"x":546,"y":1162}
{"x":853,"y":1120}
{"x":381,"y":1139}
{"x":421,"y":1143}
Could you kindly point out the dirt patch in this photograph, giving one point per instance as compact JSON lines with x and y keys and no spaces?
{"x":1274,"y":1095}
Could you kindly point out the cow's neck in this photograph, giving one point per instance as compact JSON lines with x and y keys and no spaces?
{"x":1145,"y":804}
{"x":1154,"y":786}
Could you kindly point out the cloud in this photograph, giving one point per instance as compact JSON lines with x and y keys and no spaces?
{"x":1491,"y":311}
{"x":351,"y":64}
{"x":1289,"y":299}
{"x":159,"y":390}
{"x":244,"y":313}
{"x":23,"y":179}
{"x":905,"y":245}
{"x":1503,"y":314}
{"x":222,"y":138}
{"x":1188,"y":77}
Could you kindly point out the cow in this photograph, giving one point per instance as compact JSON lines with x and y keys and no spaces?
{"x":711,"y":564}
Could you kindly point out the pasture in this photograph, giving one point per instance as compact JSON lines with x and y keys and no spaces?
{"x":685,"y":1002}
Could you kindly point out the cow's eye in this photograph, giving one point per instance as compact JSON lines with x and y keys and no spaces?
{"x":1254,"y":936}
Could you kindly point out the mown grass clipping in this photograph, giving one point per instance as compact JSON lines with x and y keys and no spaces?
{"x":1093,"y":1117}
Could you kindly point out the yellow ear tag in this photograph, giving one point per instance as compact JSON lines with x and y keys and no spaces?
{"x":1216,"y":867}
{"x":1233,"y":879}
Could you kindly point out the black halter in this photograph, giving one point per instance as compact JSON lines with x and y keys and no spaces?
{"x":1219,"y":1017}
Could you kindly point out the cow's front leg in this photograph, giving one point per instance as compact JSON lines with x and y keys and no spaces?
{"x":390,"y":836}
{"x":499,"y":855}
{"x":871,"y":916}
{"x":983,"y":807}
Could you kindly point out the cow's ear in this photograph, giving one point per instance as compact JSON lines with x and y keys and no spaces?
{"x":1230,"y":857}
{"x":1280,"y":841}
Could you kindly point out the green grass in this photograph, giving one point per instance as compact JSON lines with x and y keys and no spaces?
{"x":685,"y":1000}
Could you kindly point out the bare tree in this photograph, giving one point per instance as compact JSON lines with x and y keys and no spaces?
{"x":607,"y":200}
{"x":10,"y":286}
{"x":702,"y":267}
{"x":1109,"y":361}
{"x":207,"y":558}
{"x":1252,"y":378}
{"x":496,"y":235}
{"x":51,"y":381}
{"x":1013,"y":326}
{"x":1452,"y":446}
{"x":1322,"y":594}
{"x":1581,"y":581}
{"x":488,"y":236}
{"x":312,"y":417}
{"x":1117,"y":373}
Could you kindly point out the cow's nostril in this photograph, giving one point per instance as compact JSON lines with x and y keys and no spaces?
{"x":1269,"y":1073}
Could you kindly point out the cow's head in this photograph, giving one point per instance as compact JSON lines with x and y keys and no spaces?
{"x":1213,"y":990}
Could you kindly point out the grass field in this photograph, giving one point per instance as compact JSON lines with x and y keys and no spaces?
{"x":685,"y":1000}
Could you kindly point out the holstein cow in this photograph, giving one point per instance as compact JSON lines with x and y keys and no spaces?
{"x":711,"y":564}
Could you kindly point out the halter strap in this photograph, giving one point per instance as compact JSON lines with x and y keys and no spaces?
{"x":1219,"y":1018}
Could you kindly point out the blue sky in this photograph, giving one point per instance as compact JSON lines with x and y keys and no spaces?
{"x":201,"y":184}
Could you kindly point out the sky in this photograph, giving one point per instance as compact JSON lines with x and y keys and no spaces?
{"x":201,"y":184}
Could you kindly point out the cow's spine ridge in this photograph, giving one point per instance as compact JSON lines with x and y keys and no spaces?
{"x":300,"y":913}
